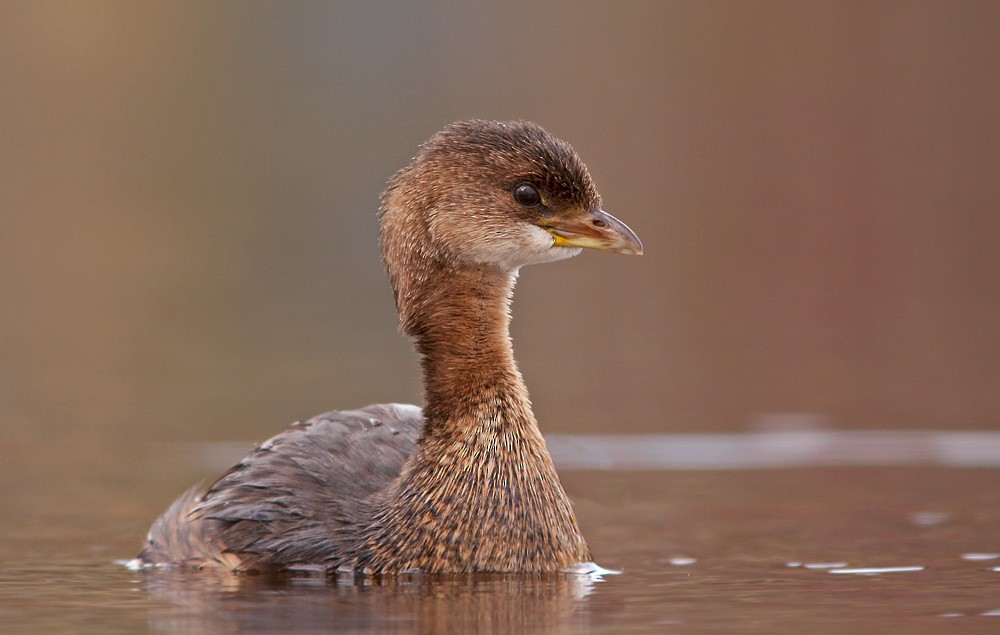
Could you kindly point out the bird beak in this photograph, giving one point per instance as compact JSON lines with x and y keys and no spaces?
{"x":596,"y":230}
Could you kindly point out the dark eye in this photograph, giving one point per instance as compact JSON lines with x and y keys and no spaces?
{"x":527,"y":196}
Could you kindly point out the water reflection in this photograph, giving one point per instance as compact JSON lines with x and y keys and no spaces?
{"x":876,"y":570}
{"x":775,"y":449}
{"x":209,"y":601}
{"x":980,"y":556}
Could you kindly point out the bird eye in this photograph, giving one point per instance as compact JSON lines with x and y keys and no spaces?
{"x":526,"y":195}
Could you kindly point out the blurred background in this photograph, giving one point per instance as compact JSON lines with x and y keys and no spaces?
{"x":188,"y":241}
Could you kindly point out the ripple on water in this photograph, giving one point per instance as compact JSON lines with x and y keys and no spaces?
{"x":980,"y":556}
{"x":877,"y":570}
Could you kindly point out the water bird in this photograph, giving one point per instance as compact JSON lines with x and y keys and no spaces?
{"x":466,"y":483}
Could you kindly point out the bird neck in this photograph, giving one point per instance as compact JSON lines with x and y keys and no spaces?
{"x":480,"y":492}
{"x":466,"y":356}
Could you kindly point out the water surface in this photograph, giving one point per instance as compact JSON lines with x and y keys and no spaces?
{"x":909,"y":545}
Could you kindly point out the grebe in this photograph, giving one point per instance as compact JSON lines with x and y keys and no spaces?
{"x":465,"y":484}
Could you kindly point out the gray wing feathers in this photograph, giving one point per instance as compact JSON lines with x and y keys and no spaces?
{"x":296,"y":498}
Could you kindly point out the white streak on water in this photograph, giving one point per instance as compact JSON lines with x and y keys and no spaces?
{"x":876,"y":570}
{"x":775,"y":449}
{"x":980,"y":556}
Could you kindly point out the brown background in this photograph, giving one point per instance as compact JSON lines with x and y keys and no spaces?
{"x":187,"y":196}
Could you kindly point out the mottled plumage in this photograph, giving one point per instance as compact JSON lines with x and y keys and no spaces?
{"x":466,"y":484}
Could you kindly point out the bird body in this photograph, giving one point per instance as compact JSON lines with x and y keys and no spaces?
{"x":465,"y":483}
